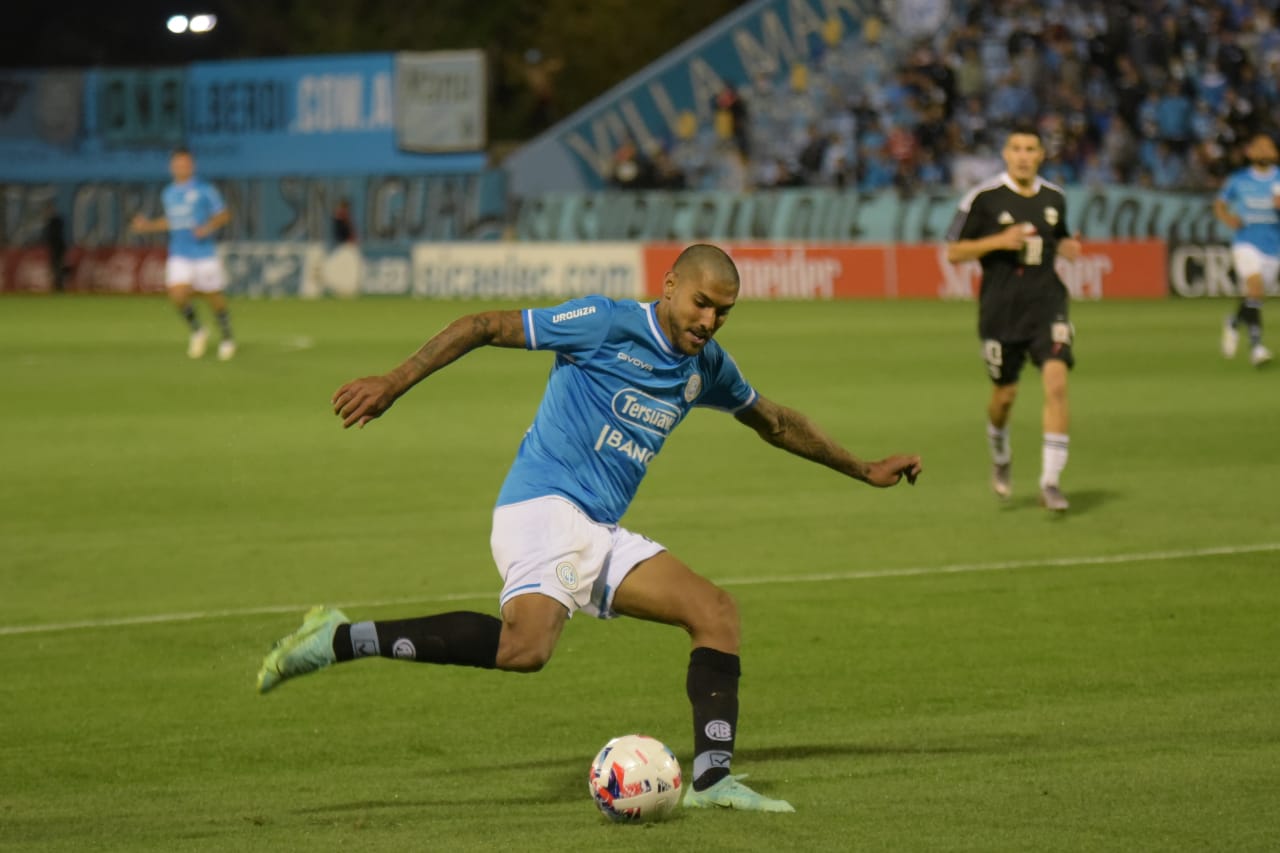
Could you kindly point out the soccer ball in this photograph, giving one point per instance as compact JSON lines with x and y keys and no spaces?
{"x":635,"y":778}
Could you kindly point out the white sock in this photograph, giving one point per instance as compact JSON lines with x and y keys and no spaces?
{"x":998,"y":442}
{"x":1053,"y":458}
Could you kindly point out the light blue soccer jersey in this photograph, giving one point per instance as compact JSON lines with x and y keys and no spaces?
{"x":616,"y":391}
{"x":186,"y":206}
{"x":1251,"y":195}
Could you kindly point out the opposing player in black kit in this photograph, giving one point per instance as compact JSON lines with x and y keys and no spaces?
{"x":1016,"y":226}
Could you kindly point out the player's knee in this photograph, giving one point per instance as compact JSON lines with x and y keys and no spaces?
{"x":718,"y":617}
{"x":1055,"y":385}
{"x":521,"y":649}
{"x":522,"y":654}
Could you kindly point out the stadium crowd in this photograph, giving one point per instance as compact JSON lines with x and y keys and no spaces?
{"x":1156,"y":94}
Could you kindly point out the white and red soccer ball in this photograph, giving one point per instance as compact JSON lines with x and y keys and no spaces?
{"x":635,"y":778}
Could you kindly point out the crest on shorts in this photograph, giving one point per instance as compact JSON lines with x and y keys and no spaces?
{"x":567,"y":575}
{"x":1005,"y":218}
{"x":692,"y":388}
{"x":1051,"y":215}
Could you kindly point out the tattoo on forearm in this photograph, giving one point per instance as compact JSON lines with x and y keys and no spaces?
{"x":426,"y":355}
{"x":456,"y":340}
{"x":797,"y":434}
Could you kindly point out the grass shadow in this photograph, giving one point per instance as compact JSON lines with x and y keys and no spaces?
{"x":1082,"y":501}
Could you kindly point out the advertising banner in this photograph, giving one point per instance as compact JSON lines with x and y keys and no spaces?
{"x":272,"y":270}
{"x":306,"y":115}
{"x":791,"y":270}
{"x":41,"y":108}
{"x":384,"y":208}
{"x":139,"y":108}
{"x":1200,"y":270}
{"x":1110,"y":269}
{"x":25,"y":271}
{"x":115,"y":270}
{"x":526,"y":271}
{"x":441,"y":101}
{"x":1107,"y":269}
{"x":821,"y":214}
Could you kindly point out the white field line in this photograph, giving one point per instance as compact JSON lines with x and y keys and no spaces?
{"x":826,"y":577}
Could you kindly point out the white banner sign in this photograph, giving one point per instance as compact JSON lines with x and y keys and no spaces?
{"x":440,"y":101}
{"x":526,"y":271}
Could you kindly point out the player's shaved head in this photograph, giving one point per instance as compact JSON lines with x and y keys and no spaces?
{"x":711,"y":261}
{"x":697,"y":294}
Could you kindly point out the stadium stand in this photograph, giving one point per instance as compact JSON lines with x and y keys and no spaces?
{"x":1153,"y":94}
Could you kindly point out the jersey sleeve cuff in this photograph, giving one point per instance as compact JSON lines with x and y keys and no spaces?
{"x":530,"y":335}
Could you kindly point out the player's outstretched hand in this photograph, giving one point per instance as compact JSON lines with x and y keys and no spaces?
{"x":888,"y":472}
{"x":362,"y":400}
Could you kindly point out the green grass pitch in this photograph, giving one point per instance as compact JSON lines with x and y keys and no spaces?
{"x":923,"y":668}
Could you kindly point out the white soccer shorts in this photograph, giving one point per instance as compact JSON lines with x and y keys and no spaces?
{"x":203,"y":274}
{"x":1250,"y":260}
{"x":549,"y":546}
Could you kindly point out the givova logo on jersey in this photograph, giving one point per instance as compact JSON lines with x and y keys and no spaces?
{"x":645,"y":412}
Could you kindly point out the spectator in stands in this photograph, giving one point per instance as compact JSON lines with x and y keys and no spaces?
{"x":344,"y":229}
{"x":55,"y":241}
{"x":728,"y":101}
{"x":1173,"y":115}
{"x":1097,"y":173}
{"x":1187,"y":73}
{"x":540,"y":74}
{"x":1168,"y":168}
{"x":813,"y":153}
{"x":629,"y":171}
{"x":667,"y":174}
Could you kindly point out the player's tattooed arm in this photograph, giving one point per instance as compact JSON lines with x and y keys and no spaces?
{"x":794,"y":432}
{"x":362,"y":400}
{"x":489,"y":328}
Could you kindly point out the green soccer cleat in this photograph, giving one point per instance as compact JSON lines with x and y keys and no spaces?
{"x":305,"y":650}
{"x":729,"y":793}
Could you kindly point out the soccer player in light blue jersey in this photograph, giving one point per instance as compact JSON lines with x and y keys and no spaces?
{"x":1247,"y":204}
{"x":193,"y":213}
{"x":625,"y":375}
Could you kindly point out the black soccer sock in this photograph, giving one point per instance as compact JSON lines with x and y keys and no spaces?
{"x":1251,"y":316}
{"x":712,"y":685}
{"x":1249,"y":313}
{"x":461,"y":637}
{"x":188,"y":313}
{"x":224,"y":324}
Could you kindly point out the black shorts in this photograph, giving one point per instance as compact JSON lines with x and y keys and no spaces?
{"x":1005,"y":359}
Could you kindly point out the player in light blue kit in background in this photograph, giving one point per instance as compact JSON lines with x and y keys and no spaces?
{"x":193,"y":213}
{"x":625,"y":374}
{"x":1248,"y":204}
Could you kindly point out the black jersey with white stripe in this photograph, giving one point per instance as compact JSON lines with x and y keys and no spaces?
{"x":1021,"y":291}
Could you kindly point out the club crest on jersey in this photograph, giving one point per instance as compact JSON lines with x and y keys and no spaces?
{"x":692,"y":388}
{"x":567,"y":575}
{"x":645,"y":412}
{"x":1051,"y":215}
{"x":1005,"y":218}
